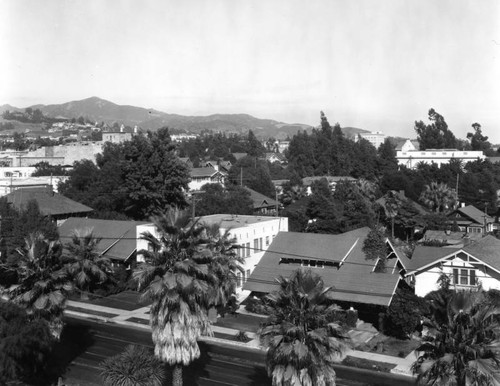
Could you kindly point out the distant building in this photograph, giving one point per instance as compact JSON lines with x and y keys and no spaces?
{"x":332,"y":181}
{"x":8,"y":185}
{"x":408,"y":145}
{"x":253,"y":235}
{"x":262,"y":204}
{"x":182,"y":137}
{"x":411,"y":158}
{"x":116,"y":136}
{"x":202,"y":176}
{"x":376,"y":138}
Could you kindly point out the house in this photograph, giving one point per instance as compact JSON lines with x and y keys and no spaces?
{"x":119,"y":240}
{"x":50,"y":203}
{"x":338,"y":259}
{"x":187,"y":161}
{"x":275,"y":157}
{"x":332,"y":181}
{"x":253,"y":235}
{"x":238,"y":156}
{"x":262,"y":204}
{"x":472,"y":220}
{"x":476,"y":264}
{"x":202,"y":176}
{"x":411,"y":158}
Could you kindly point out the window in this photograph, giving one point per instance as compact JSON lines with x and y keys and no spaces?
{"x":267,"y":241}
{"x":248,"y":273}
{"x":260,"y":243}
{"x":248,"y":249}
{"x":255,"y":245}
{"x":464,"y":276}
{"x":238,"y":279}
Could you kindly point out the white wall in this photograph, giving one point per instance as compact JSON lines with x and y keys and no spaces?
{"x":411,"y":158}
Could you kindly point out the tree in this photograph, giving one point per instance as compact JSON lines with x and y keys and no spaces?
{"x":255,"y":147}
{"x":477,"y":140}
{"x":25,"y":344}
{"x":88,"y":268}
{"x":45,"y":169}
{"x":435,"y":135}
{"x":254,"y":174}
{"x":217,"y":199}
{"x":44,"y":284}
{"x":136,"y":366}
{"x":438,"y":197}
{"x":303,"y":338}
{"x":375,"y":248}
{"x":465,"y":350}
{"x":176,"y":277}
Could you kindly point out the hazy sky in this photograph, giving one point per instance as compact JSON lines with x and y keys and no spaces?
{"x":377,"y":65}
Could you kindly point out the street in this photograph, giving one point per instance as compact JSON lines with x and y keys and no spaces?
{"x":85,"y":344}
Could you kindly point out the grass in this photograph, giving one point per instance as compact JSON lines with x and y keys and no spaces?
{"x":361,"y":363}
{"x":388,"y":345}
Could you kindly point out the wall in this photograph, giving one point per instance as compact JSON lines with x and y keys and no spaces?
{"x":411,"y":158}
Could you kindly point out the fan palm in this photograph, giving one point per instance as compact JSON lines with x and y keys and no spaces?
{"x":44,"y":283}
{"x":302,"y":337}
{"x":87,"y":266}
{"x":136,"y":366}
{"x":438,"y":197}
{"x":176,"y":276}
{"x":465,"y":350}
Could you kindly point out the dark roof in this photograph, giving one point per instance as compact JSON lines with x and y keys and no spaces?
{"x":202,"y":172}
{"x":474,"y":214}
{"x":261,"y":201}
{"x":487,"y":250}
{"x":239,"y":156}
{"x":402,"y":196}
{"x":354,"y":281}
{"x":50,"y":203}
{"x":118,"y":238}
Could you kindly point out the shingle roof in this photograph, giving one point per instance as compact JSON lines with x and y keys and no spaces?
{"x":354,"y":281}
{"x":118,"y":238}
{"x":202,"y":172}
{"x":259,"y":200}
{"x":475,"y":214}
{"x":423,"y":256}
{"x":50,"y":203}
{"x":487,"y":249}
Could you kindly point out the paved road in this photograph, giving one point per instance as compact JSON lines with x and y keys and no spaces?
{"x":86,"y":344}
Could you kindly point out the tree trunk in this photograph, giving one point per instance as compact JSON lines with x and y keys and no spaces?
{"x":177,"y":375}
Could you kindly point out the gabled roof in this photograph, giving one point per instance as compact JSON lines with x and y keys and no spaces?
{"x":261,"y":201}
{"x":474,"y":214}
{"x":401,"y":195}
{"x":202,"y":172}
{"x":355,"y":280}
{"x":50,"y":203}
{"x":239,"y":156}
{"x":118,"y":238}
{"x":486,"y":250}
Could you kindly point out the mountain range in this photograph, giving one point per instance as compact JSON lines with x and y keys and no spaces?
{"x":100,"y":110}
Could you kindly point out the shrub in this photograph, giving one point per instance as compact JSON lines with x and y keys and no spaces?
{"x":256,"y":306}
{"x":136,"y":366}
{"x":242,"y":336}
{"x":404,"y":314}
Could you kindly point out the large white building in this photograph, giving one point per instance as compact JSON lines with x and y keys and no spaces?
{"x":411,"y":158}
{"x":376,"y":138}
{"x":253,"y":235}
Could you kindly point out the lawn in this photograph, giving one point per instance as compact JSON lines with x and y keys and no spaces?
{"x":388,"y":345}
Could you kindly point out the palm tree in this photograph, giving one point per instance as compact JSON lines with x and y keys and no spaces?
{"x":136,"y":366}
{"x":176,"y":276}
{"x":87,"y":266}
{"x":465,"y":350}
{"x":44,"y":284}
{"x":438,"y":197}
{"x":302,"y":337}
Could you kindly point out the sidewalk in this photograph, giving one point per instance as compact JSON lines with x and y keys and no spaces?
{"x":139,"y":318}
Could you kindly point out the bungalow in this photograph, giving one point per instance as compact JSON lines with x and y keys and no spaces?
{"x":119,"y":240}
{"x":262,"y":204}
{"x":50,"y":203}
{"x":472,"y":220}
{"x":202,"y":176}
{"x":338,"y":259}
{"x":476,"y":264}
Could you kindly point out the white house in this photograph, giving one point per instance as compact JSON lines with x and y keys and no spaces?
{"x":476,"y":264}
{"x":202,"y":176}
{"x":411,"y":158}
{"x":253,"y":235}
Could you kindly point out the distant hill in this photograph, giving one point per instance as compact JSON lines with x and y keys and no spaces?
{"x":97,"y":109}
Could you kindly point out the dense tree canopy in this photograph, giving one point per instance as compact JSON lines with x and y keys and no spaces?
{"x":254,"y":173}
{"x":133,"y":179}
{"x":436,"y":134}
{"x":216,"y":199}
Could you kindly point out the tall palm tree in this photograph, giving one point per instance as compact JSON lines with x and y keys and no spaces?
{"x":87,"y":266}
{"x":438,"y":197}
{"x":465,"y":350}
{"x":176,"y":276}
{"x":44,"y":284}
{"x":303,"y":339}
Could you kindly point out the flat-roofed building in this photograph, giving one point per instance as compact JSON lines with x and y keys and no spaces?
{"x":412,"y":158}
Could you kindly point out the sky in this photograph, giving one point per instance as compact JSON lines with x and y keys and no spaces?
{"x":377,"y":65}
